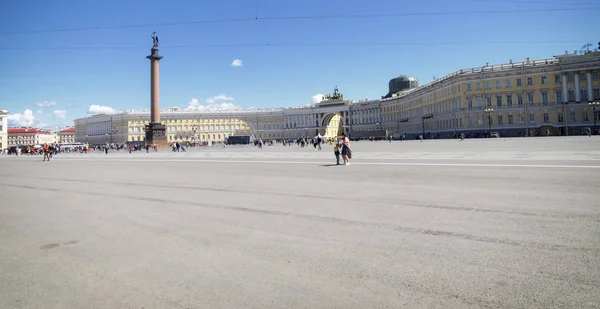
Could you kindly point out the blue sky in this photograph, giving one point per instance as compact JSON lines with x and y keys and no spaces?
{"x":49,"y":78}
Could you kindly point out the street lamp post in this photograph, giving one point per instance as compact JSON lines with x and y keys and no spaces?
{"x":145,"y":128}
{"x":398,"y":126}
{"x":428,"y":116}
{"x":86,"y":139}
{"x":489,"y":111}
{"x":113,"y":132}
{"x":566,"y":119}
{"x":194,"y":137}
{"x":595,"y":105}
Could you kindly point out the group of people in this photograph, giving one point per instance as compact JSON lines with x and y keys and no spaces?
{"x":176,"y":147}
{"x":46,"y":150}
{"x":342,"y":148}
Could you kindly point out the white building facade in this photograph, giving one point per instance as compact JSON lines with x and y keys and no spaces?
{"x":66,"y":136}
{"x":3,"y":130}
{"x":29,"y":137}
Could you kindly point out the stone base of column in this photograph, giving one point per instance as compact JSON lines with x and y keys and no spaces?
{"x":156,"y":134}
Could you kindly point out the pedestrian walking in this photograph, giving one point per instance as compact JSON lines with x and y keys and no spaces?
{"x":336,"y":152}
{"x":346,"y":150}
{"x":46,"y":152}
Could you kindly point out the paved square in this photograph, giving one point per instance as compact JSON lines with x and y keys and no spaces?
{"x":487,"y":223}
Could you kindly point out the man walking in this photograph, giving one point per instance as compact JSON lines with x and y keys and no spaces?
{"x":46,"y":152}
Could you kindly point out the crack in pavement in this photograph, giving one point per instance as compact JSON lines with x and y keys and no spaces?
{"x":412,"y":230}
{"x":595,"y":218}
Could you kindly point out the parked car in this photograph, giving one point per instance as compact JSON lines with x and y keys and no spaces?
{"x":494,"y":134}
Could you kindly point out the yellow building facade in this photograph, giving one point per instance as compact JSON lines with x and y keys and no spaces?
{"x":542,"y":97}
{"x":182,"y":126}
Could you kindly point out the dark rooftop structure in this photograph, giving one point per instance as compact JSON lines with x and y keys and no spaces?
{"x":400,"y":84}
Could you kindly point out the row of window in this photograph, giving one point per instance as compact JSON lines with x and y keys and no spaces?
{"x":558,"y":98}
{"x":546,"y":118}
{"x":543,"y":81}
{"x":186,"y":128}
{"x":498,"y":101}
{"x":499,"y":119}
{"x":202,"y":137}
{"x":200,"y":121}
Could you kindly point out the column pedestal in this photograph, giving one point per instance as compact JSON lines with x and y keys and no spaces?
{"x":156,"y":134}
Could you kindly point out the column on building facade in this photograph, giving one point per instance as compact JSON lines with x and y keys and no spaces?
{"x":346,"y":117}
{"x":565,"y":90}
{"x":590,"y":90}
{"x":577,"y":94}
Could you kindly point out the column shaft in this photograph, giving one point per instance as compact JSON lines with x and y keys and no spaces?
{"x":565,"y":90}
{"x":155,"y":92}
{"x":577,"y":94}
{"x":590,"y":91}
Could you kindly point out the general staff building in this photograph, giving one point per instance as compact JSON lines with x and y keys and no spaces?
{"x":539,"y":97}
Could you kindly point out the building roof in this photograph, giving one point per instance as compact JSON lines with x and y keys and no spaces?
{"x":26,"y":131}
{"x":68,"y":130}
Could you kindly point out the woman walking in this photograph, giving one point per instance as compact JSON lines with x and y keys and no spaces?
{"x":346,"y":150}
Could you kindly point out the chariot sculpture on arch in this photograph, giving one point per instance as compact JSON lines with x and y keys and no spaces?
{"x":336,"y":94}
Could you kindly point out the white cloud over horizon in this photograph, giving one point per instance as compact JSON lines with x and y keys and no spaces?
{"x":237,"y":63}
{"x":100,"y":109}
{"x":25,"y":119}
{"x":193,"y":102}
{"x":212,"y":104}
{"x":219,"y":97}
{"x":60,"y":114}
{"x":317,"y":98}
{"x":46,"y":104}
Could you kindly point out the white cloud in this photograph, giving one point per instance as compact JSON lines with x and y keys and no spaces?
{"x":237,"y":63}
{"x":215,"y":107}
{"x":100,"y":109}
{"x":194,"y":102}
{"x":317,"y":98}
{"x":26,"y":119}
{"x":219,"y":97}
{"x":46,"y":104}
{"x":60,"y":114}
{"x":194,"y":105}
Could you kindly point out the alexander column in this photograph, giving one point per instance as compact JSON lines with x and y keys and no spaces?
{"x":155,"y":131}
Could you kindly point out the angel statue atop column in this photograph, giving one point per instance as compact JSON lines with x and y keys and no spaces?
{"x":154,"y":39}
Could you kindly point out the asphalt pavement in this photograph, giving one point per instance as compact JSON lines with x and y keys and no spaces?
{"x":483,"y":223}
